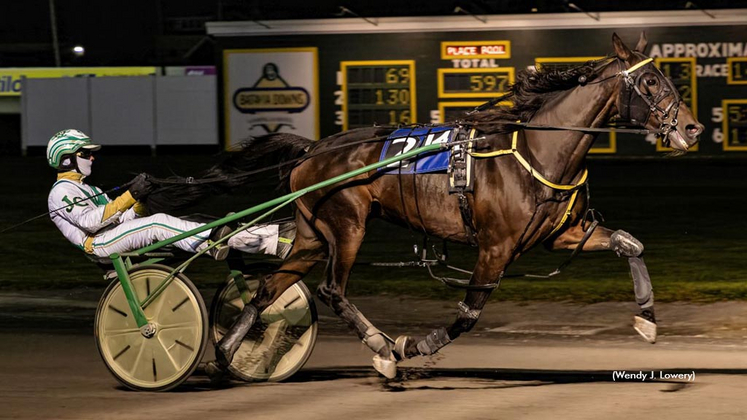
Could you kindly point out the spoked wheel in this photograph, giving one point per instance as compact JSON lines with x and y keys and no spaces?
{"x":283,"y":338}
{"x":169,"y":357}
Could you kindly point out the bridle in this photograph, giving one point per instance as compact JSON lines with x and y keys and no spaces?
{"x":636,"y":104}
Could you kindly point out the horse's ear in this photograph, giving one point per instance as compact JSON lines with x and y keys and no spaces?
{"x":622,"y":50}
{"x":642,"y":43}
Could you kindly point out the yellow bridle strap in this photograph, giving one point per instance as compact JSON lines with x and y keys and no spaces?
{"x":514,"y":151}
{"x":639,"y":65}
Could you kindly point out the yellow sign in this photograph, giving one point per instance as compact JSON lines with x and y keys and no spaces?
{"x":475,"y":49}
{"x":10,"y":78}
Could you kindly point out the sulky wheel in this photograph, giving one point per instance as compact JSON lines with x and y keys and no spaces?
{"x":280,"y":342}
{"x":169,"y":357}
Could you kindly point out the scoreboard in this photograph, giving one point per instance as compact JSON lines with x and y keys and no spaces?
{"x":367,"y":76}
{"x":735,"y":124}
{"x":682,"y":71}
{"x":378,"y":92}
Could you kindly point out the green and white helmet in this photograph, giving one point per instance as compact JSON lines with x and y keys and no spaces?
{"x":67,"y":142}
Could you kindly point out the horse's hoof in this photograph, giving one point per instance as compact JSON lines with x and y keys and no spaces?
{"x":401,"y":345}
{"x":215,"y":373}
{"x":645,"y":328}
{"x":388,"y":368}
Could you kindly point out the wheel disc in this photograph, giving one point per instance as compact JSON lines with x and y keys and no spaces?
{"x":171,"y":355}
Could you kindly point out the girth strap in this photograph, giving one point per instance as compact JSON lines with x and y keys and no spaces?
{"x":461,"y":181}
{"x":466,"y":212}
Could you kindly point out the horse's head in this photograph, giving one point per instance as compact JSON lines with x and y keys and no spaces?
{"x":648,"y":98}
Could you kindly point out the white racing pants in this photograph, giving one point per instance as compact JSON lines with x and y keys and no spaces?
{"x":141,"y":232}
{"x":262,"y":239}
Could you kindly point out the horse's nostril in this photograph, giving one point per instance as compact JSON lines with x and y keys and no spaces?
{"x":694,"y":130}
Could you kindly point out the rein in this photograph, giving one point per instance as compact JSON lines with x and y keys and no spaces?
{"x":192,"y":180}
{"x":626,"y":74}
{"x":526,"y":126}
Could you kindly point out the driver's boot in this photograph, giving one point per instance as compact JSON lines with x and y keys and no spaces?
{"x":219,"y":252}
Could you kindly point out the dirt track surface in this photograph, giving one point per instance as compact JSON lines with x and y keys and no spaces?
{"x":538,"y":361}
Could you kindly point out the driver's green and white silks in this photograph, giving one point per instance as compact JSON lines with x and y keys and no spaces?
{"x":143,"y":231}
{"x":262,"y":239}
{"x":81,"y":219}
{"x":80,"y":215}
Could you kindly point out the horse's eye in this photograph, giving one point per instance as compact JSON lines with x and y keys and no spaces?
{"x":650,"y":82}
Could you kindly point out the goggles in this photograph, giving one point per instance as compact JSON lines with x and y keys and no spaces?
{"x":84,"y":154}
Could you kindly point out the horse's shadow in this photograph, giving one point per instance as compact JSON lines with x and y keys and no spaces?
{"x":409,"y":379}
{"x":441,"y":379}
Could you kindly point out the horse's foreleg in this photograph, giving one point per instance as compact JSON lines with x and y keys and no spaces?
{"x":490,"y":266}
{"x":348,"y":237}
{"x":624,"y":245}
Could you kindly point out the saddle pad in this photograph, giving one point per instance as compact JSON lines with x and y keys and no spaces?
{"x":404,"y":140}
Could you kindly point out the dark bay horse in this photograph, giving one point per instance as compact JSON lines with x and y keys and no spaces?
{"x":515,"y":205}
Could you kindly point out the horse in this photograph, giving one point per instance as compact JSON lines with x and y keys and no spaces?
{"x":525,"y":193}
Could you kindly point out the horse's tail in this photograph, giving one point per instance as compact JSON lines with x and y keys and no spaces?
{"x":278,"y":151}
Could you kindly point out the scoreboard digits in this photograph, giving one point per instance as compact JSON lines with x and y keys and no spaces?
{"x":737,"y":71}
{"x":735,"y":124}
{"x":474,"y":83}
{"x":378,"y":92}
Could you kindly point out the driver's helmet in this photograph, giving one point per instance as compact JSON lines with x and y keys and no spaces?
{"x":67,"y":142}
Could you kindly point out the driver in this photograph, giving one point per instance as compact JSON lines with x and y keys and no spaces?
{"x":101,"y":226}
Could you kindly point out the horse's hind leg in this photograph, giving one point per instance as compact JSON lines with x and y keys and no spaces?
{"x":307,"y":250}
{"x":490,"y":266}
{"x":624,"y":245}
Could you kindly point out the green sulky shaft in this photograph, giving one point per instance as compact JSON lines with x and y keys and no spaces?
{"x":292,"y":196}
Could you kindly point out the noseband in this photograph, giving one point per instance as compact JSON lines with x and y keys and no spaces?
{"x":636,"y":105}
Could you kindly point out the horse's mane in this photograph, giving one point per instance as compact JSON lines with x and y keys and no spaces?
{"x":531,"y":90}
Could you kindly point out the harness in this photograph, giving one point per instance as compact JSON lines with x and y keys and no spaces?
{"x":635,"y":106}
{"x":539,"y":177}
{"x":461,"y":169}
